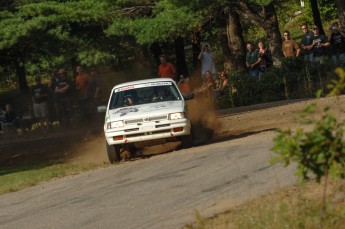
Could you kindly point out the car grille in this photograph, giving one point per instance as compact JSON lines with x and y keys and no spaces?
{"x":147,"y":119}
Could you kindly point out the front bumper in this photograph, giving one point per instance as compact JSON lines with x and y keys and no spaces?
{"x":148,"y":131}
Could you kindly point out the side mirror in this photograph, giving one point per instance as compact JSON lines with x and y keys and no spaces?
{"x":102,"y":109}
{"x":188,"y":96}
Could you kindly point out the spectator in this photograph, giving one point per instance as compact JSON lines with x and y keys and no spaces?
{"x":307,"y":40}
{"x":166,"y":69}
{"x":10,"y":119}
{"x":185,"y":87}
{"x":252,"y":60}
{"x":337,"y":42}
{"x":63,"y":104}
{"x":27,"y":119}
{"x":52,"y":103}
{"x":207,"y":58}
{"x":93,"y":89}
{"x":207,"y":87}
{"x":318,"y":46}
{"x":81,"y":84}
{"x":223,"y":88}
{"x":40,"y":93}
{"x":289,"y":47}
{"x":265,"y":56}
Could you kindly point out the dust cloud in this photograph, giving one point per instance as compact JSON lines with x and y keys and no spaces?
{"x":201,"y":110}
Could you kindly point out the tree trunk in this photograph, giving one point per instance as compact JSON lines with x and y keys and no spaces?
{"x":196,"y":47}
{"x":236,"y":41}
{"x":157,"y":51}
{"x":316,"y":15}
{"x":225,"y":45}
{"x":181,"y":65}
{"x":341,"y":11}
{"x":20,"y":71}
{"x":271,"y":27}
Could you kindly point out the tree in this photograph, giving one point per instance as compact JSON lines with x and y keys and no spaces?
{"x":41,"y":36}
{"x":316,"y":15}
{"x":264,"y":16}
{"x":341,"y":11}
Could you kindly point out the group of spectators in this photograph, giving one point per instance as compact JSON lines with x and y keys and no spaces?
{"x":58,"y":95}
{"x":313,"y":46}
{"x":88,"y":90}
{"x":212,"y":85}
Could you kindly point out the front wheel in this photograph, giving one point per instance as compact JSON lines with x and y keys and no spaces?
{"x":114,"y":153}
{"x":187,"y":141}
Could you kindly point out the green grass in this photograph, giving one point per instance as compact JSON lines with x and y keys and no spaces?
{"x":12,"y":180}
{"x":292,"y":207}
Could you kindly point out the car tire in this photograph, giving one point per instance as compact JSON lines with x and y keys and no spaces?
{"x":114,"y":153}
{"x":187,"y":141}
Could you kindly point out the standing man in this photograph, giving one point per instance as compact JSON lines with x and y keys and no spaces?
{"x":166,"y":69}
{"x":81,"y":84}
{"x":40,"y":93}
{"x":93,"y":89}
{"x":290,"y":47}
{"x":337,"y":41}
{"x":253,"y":61}
{"x":318,"y":46}
{"x":52,"y":102}
{"x":63,"y":104}
{"x":207,"y":58}
{"x":307,"y":40}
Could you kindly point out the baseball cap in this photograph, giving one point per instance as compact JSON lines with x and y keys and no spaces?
{"x":315,"y":27}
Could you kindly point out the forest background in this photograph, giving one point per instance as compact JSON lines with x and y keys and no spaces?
{"x":39,"y":37}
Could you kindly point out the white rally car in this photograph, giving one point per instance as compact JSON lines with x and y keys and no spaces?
{"x":145,"y":111}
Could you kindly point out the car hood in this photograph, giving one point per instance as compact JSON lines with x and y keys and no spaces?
{"x":146,"y":110}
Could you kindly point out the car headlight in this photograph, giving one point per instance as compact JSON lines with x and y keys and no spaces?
{"x":112,"y":125}
{"x":175,"y":116}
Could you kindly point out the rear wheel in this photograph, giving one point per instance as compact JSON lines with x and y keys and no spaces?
{"x":114,"y":152}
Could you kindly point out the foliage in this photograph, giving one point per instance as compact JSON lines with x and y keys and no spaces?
{"x":320,"y":150}
{"x":292,"y":80}
{"x":292,"y":207}
{"x":326,"y":8}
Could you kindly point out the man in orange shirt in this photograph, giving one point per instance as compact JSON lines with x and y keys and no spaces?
{"x":81,"y":83}
{"x":166,"y":69}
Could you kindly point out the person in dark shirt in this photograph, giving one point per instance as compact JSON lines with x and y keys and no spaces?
{"x":62,"y":93}
{"x":337,"y":42}
{"x":318,"y":47}
{"x":93,"y":90}
{"x":40,"y":93}
{"x":307,"y":40}
{"x":9,"y":119}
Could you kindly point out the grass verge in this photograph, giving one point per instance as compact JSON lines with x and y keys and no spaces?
{"x":292,"y":207}
{"x":12,"y":180}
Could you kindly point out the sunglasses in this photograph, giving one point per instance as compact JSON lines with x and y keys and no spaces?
{"x":285,"y":35}
{"x":316,"y":29}
{"x":304,"y":28}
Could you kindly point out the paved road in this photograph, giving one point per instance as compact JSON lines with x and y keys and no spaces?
{"x":163,"y":191}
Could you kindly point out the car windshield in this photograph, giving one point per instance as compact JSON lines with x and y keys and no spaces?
{"x":143,"y":94}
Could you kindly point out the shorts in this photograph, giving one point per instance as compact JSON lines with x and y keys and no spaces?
{"x":41,"y":110}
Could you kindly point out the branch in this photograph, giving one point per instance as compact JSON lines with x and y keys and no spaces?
{"x":249,"y":13}
{"x":136,"y":11}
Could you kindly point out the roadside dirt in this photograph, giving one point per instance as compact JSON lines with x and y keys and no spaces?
{"x":86,"y":144}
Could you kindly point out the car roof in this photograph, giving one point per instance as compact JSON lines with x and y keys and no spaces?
{"x":153,"y":80}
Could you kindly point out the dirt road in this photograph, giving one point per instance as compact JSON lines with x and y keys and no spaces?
{"x":161,"y":192}
{"x":164,"y":191}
